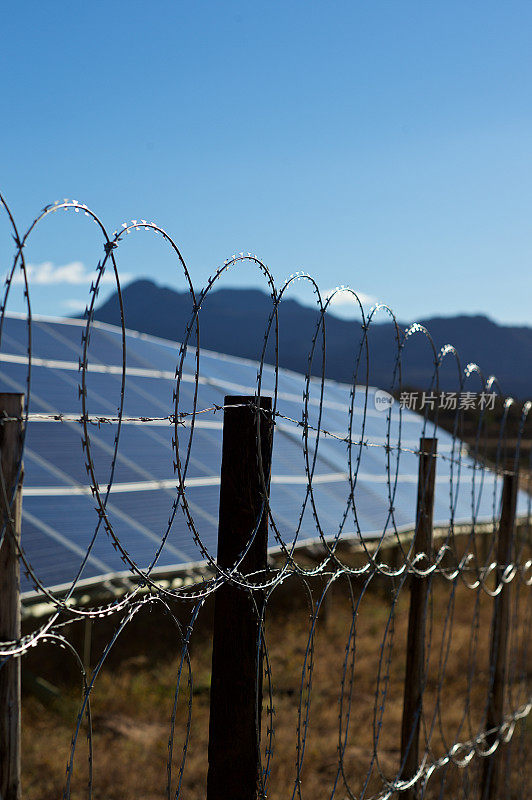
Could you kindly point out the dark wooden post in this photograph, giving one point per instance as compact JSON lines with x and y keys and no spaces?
{"x":236,"y":696}
{"x":491,"y":773}
{"x":419,"y":593}
{"x":11,"y":405}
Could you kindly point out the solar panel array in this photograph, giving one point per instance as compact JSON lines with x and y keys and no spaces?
{"x":59,"y":516}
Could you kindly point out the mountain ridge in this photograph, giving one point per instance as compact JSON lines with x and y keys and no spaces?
{"x":233,"y":321}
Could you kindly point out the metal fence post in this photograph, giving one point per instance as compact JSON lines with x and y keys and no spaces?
{"x":11,"y":405}
{"x":236,"y":695}
{"x":491,"y":772}
{"x":419,"y":592}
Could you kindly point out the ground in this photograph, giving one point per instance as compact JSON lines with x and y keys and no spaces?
{"x":133,"y":696}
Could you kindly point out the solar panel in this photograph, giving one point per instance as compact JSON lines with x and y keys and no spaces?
{"x":59,"y":517}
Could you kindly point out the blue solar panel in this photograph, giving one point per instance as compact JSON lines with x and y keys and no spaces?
{"x":59,"y":516}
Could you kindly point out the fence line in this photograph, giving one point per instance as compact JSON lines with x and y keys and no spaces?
{"x":469,"y":588}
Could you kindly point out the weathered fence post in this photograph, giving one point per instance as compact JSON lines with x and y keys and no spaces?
{"x":491,"y":772}
{"x":11,"y":405}
{"x":236,"y":696}
{"x":419,"y":592}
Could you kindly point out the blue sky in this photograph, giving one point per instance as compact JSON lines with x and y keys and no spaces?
{"x":382,"y":145}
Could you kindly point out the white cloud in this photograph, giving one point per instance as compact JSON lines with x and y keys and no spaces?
{"x":342,"y":299}
{"x":74,"y":305}
{"x":73,"y":273}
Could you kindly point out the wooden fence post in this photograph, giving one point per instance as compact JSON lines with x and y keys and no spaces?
{"x":419,"y":592}
{"x":11,"y":405}
{"x":491,"y":772}
{"x":236,"y":697}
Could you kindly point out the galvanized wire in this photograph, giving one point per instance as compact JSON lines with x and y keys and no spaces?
{"x":459,"y":564}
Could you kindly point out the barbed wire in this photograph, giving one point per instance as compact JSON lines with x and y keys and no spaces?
{"x":461,"y":571}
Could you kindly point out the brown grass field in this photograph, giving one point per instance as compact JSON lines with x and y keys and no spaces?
{"x":133,"y":696}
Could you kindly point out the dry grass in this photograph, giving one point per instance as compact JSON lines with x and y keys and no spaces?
{"x":133,"y":696}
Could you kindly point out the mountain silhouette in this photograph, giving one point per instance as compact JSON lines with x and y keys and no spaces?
{"x":233,"y":321}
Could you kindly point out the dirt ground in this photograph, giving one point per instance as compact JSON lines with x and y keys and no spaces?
{"x":133,"y":696}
